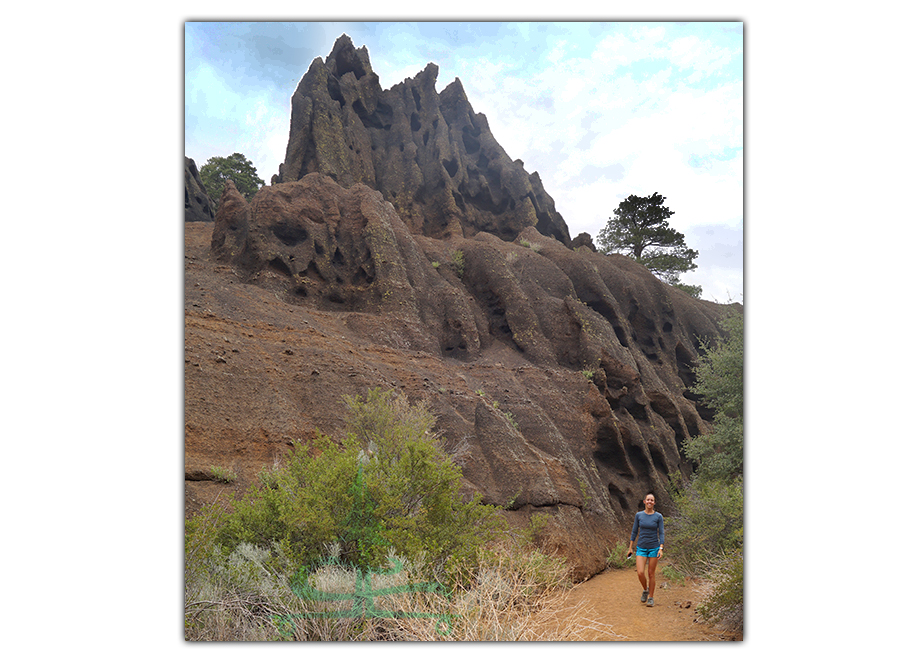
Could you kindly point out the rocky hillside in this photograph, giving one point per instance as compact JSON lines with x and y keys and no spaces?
{"x":399,"y":247}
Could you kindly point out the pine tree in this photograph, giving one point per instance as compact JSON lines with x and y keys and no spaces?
{"x":640,"y":227}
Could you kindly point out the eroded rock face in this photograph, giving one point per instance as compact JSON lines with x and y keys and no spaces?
{"x":402,"y":249}
{"x":197,"y":204}
{"x":429,"y":154}
{"x":560,"y":377}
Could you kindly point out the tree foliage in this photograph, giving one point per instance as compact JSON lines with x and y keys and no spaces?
{"x":707,"y":534}
{"x":720,"y":383}
{"x":238,"y":168}
{"x":640,"y":228}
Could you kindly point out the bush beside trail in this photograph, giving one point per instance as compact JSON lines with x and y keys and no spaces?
{"x":385,"y":497}
{"x":706,"y":534}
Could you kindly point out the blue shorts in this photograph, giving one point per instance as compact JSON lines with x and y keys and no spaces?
{"x":649,"y":553}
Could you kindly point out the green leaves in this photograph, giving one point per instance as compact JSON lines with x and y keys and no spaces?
{"x":238,"y":168}
{"x":640,"y":229}
{"x":385,"y":485}
{"x":720,"y":382}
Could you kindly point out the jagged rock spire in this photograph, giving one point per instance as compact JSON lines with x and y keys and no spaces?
{"x":429,"y":154}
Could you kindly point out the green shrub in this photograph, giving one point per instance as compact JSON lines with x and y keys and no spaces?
{"x":221,"y":475}
{"x":673,"y":574}
{"x":459,"y":262}
{"x":709,"y":521}
{"x":386,"y":485}
{"x":720,"y":384}
{"x":617,"y":557}
{"x":724,"y":603}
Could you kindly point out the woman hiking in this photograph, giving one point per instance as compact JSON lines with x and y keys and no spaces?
{"x":648,"y":530}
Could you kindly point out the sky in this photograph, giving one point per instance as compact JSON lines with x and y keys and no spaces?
{"x":600,"y":110}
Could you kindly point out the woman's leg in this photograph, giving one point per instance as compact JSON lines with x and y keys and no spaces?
{"x":641,"y":562}
{"x":652,"y":574}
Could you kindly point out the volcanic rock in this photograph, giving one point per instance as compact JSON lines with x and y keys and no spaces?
{"x":560,"y":378}
{"x":197,"y":204}
{"x":429,"y":154}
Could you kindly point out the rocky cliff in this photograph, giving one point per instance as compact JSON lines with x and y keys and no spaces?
{"x":197,"y":204}
{"x":402,"y":249}
{"x":430,"y":155}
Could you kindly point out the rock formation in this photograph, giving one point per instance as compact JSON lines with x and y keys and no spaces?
{"x":560,"y":377}
{"x":197,"y":204}
{"x":429,"y":154}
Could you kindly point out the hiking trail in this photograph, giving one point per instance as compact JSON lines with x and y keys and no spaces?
{"x":608,"y":606}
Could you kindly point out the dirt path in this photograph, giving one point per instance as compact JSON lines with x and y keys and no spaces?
{"x":609,"y":608}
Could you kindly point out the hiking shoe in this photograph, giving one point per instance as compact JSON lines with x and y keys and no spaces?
{"x":644,"y":596}
{"x":649,"y":602}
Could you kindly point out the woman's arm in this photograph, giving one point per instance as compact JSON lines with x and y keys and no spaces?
{"x":662,"y":534}
{"x":634,"y":532}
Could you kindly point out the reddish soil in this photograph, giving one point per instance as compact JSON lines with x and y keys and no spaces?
{"x":609,"y":606}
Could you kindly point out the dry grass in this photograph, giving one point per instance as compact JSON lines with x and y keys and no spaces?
{"x":518,"y":594}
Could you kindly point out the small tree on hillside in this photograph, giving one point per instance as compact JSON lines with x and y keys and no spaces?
{"x":640,"y":228}
{"x":238,"y":168}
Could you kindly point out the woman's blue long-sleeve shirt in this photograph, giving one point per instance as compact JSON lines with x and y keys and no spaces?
{"x":648,"y":529}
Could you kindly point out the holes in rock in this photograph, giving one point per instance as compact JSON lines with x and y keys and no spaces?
{"x":685,"y":364}
{"x":319,"y":249}
{"x":380,"y":118}
{"x":609,"y":452}
{"x":336,"y":297}
{"x":338,"y":258}
{"x":692,"y":421}
{"x":483,"y":161}
{"x":496,"y":315}
{"x":638,"y":460}
{"x":470,"y":142}
{"x":620,"y":498}
{"x":300,"y":291}
{"x":633,"y":407}
{"x":289,"y":234}
{"x":312,"y":271}
{"x":659,"y":459}
{"x":451,"y":166}
{"x":347,"y":60}
{"x":334,"y":90}
{"x":414,"y":122}
{"x":425,"y":137}
{"x":277,"y":264}
{"x":663,"y":405}
{"x":417,"y":98}
{"x":362,"y":276}
{"x":545,"y":224}
{"x":667,"y":327}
